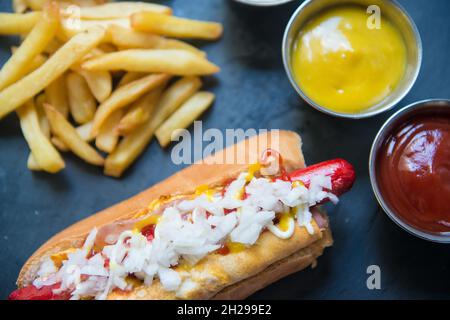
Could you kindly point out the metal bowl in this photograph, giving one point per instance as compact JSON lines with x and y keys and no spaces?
{"x":266,"y":3}
{"x":389,"y":9}
{"x":421,"y":107}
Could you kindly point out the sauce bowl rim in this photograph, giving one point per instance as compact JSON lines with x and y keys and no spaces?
{"x":255,"y":3}
{"x":381,"y":135}
{"x":362,"y":115}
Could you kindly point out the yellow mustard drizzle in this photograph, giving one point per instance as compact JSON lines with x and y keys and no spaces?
{"x":235,"y":247}
{"x":297,"y":183}
{"x":252,"y":169}
{"x":184,"y":266}
{"x":152,"y":219}
{"x":204,"y":189}
{"x":60,"y":257}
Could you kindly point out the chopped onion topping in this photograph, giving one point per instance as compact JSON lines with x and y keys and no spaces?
{"x":187,"y":231}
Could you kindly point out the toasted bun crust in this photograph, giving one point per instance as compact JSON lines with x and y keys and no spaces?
{"x":231,"y":276}
{"x":294,"y":263}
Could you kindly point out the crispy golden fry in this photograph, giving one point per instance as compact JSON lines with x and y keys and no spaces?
{"x":172,"y":61}
{"x":108,"y":136}
{"x":184,"y":116}
{"x":72,"y":26}
{"x":56,"y":93}
{"x":19,"y":6}
{"x":43,"y":121}
{"x":127,"y":38}
{"x":174,"y":97}
{"x":32,"y":163}
{"x":134,"y":144}
{"x":116,"y":10}
{"x":87,"y":3}
{"x":95,"y":52}
{"x":39,"y":4}
{"x":44,"y":154}
{"x":35,"y":43}
{"x":17,"y":23}
{"x":130,"y":77}
{"x":38,"y":61}
{"x":99,"y":82}
{"x":140,"y":112}
{"x":129,"y":148}
{"x":36,"y":4}
{"x":175,"y":27}
{"x":64,"y":131}
{"x":107,"y":47}
{"x":26,"y":88}
{"x":81,"y":101}
{"x":59,"y":144}
{"x":45,"y":128}
{"x":84,"y":131}
{"x":53,"y":46}
{"x":125,"y":95}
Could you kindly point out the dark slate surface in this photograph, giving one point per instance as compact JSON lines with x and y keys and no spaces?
{"x":252,"y":92}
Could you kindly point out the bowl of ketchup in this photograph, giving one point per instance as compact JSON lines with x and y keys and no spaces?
{"x":410,"y":169}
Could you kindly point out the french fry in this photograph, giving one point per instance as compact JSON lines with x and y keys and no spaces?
{"x":43,"y":121}
{"x":108,"y":136}
{"x":184,"y":116}
{"x":84,"y":131}
{"x":32,"y":163}
{"x":129,"y":148}
{"x":38,"y":61}
{"x":174,"y":97}
{"x":125,"y":95}
{"x":99,"y":82}
{"x":67,"y":133}
{"x":18,"y":23}
{"x":171,"y":61}
{"x":140,"y":112}
{"x":175,"y":27}
{"x":134,"y":144}
{"x":56,"y":93}
{"x":127,"y":38}
{"x":26,"y":88}
{"x":19,"y":6}
{"x":44,"y":154}
{"x":130,"y":77}
{"x":36,"y":4}
{"x":81,"y":101}
{"x":32,"y":46}
{"x":107,"y":47}
{"x":45,"y":128}
{"x":53,"y":46}
{"x":116,"y":10}
{"x":87,"y":3}
{"x":59,"y":144}
{"x":73,"y":26}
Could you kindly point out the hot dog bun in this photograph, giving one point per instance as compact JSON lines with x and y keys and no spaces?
{"x":232,"y":276}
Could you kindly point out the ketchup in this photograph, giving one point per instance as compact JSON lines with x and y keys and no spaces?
{"x":413,"y":171}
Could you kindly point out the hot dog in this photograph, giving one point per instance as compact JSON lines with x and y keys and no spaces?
{"x":270,"y":224}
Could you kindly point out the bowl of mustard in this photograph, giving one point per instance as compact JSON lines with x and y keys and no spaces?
{"x":354,"y":58}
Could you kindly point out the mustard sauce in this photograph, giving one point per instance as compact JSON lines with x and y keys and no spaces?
{"x":345,"y":66}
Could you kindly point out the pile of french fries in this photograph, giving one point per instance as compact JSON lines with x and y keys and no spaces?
{"x":98,"y":78}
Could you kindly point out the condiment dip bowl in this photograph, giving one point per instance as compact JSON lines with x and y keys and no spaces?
{"x":353,"y":49}
{"x":409,"y":169}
